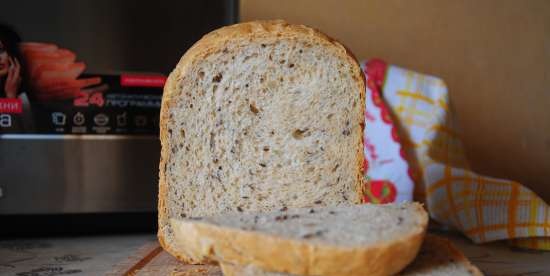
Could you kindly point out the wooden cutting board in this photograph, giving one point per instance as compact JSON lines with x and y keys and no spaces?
{"x":151,"y":260}
{"x":494,"y":259}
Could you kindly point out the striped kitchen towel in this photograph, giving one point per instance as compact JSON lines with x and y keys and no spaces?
{"x":426,"y":159}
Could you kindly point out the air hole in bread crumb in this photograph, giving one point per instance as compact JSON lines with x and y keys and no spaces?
{"x":254,"y":109}
{"x":335,"y":167}
{"x":281,"y":61}
{"x":245,"y":59}
{"x":300,"y":51}
{"x":263,"y":45}
{"x":262,"y":79}
{"x":311,"y":235}
{"x":263,"y":165}
{"x":299,"y":133}
{"x":246,"y":85}
{"x":217,"y":78}
{"x":329,"y":116}
{"x":182,"y":133}
{"x":201,"y":75}
{"x":266,"y":148}
{"x":291,"y":65}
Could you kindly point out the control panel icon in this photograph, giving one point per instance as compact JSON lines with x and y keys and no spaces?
{"x":101,"y":119}
{"x":79,"y":119}
{"x":59,"y":118}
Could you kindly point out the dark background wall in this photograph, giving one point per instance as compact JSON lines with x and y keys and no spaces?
{"x":118,"y":35}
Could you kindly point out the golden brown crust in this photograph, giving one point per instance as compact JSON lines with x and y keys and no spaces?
{"x":212,"y":42}
{"x":273,"y":253}
{"x":432,"y":243}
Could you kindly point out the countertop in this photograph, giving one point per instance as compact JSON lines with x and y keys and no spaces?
{"x":98,"y":255}
{"x":77,"y":255}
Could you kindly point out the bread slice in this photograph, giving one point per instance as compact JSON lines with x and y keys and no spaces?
{"x":351,"y":240}
{"x":259,"y":116}
{"x":437,"y":257}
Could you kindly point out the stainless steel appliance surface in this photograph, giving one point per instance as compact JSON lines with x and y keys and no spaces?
{"x":59,"y":174}
{"x":55,"y":174}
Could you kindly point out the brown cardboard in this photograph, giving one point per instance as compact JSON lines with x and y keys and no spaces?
{"x":493,"y":55}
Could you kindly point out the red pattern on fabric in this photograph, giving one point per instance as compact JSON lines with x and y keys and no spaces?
{"x":381,"y":191}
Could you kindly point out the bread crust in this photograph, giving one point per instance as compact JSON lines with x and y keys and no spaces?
{"x":295,"y":256}
{"x":431,"y":242}
{"x":210,"y":43}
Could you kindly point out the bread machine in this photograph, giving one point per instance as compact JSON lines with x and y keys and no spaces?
{"x":73,"y":170}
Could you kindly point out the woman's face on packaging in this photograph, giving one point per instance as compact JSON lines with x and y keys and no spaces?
{"x":4,"y":60}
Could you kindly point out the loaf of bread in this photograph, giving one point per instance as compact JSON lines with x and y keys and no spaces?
{"x":437,"y":257}
{"x":259,"y":116}
{"x":367,"y":239}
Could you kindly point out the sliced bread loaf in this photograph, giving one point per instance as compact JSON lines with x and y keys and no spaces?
{"x":259,"y":116}
{"x":437,"y":257}
{"x":341,"y":240}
